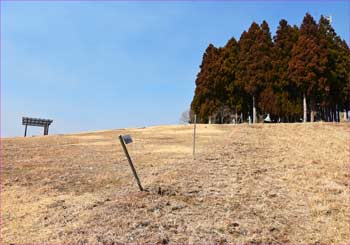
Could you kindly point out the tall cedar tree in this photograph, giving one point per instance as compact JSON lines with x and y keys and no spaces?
{"x":307,"y":63}
{"x":343,"y":62}
{"x":242,"y":75}
{"x":336,"y":76}
{"x":343,"y":74}
{"x":206,"y":99}
{"x":236,"y":96}
{"x":254,"y":67}
{"x":288,"y":105}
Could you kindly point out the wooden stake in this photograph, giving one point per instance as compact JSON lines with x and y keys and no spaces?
{"x":130,"y":162}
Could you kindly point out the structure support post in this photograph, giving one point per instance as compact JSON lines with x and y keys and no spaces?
{"x":46,"y":130}
{"x":25,"y":131}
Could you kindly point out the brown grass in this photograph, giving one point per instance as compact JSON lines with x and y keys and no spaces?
{"x":285,"y":183}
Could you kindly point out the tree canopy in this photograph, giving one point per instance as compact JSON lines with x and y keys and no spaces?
{"x":304,"y":67}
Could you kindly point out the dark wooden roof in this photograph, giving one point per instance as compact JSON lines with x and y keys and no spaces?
{"x":36,"y":121}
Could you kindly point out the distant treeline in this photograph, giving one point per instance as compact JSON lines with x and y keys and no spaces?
{"x":302,"y":73}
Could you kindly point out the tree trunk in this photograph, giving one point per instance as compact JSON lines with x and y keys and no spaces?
{"x":236,"y":117}
{"x":332,"y":115}
{"x":328,"y":114}
{"x":305,"y":110}
{"x":337,"y":114}
{"x":323,"y":114}
{"x":312,"y":111}
{"x":254,"y":110}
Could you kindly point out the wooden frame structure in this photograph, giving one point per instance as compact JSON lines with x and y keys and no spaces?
{"x":38,"y":122}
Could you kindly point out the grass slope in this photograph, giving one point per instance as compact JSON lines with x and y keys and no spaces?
{"x":286,"y":183}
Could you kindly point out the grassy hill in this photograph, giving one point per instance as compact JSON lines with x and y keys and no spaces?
{"x":286,"y":183}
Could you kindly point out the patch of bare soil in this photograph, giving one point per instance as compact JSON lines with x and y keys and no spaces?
{"x":283,"y":183}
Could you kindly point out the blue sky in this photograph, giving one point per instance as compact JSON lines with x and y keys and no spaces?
{"x":106,"y":65}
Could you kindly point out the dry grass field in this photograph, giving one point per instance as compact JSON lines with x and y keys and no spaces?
{"x":282,"y":183}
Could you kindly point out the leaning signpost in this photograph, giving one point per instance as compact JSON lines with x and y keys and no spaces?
{"x":29,"y":121}
{"x":124,"y":140}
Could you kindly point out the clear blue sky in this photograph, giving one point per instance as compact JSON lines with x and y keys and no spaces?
{"x":105,"y":65}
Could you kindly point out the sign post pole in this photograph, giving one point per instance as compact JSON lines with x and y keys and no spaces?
{"x":122,"y":142}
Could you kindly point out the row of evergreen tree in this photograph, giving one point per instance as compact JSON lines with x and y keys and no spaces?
{"x":302,"y":74}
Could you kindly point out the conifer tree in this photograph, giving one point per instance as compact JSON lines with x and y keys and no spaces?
{"x":205,"y":100}
{"x":335,"y":77}
{"x":254,"y":67}
{"x":235,"y":94}
{"x":286,"y":93}
{"x":305,"y":66}
{"x":343,"y":69}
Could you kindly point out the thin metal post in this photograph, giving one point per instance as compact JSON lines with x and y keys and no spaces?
{"x":130,"y":162}
{"x":25,"y":131}
{"x":194,"y":137}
